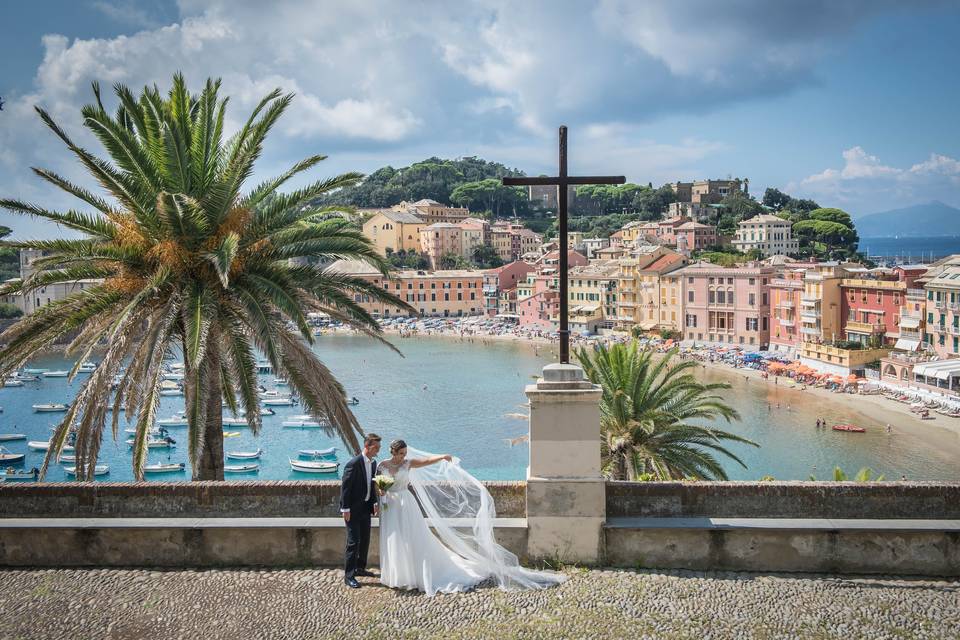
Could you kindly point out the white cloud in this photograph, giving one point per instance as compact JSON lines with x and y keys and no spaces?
{"x":377,"y":80}
{"x":869,"y":184}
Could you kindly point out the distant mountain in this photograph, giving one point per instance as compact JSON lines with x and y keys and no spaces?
{"x":927,"y":220}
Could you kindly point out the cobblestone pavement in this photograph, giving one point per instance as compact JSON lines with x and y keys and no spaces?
{"x":622,"y":604}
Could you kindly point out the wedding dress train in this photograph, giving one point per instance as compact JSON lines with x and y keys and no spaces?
{"x":452,"y":547}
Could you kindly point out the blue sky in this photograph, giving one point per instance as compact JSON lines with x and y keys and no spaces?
{"x":849,"y":102}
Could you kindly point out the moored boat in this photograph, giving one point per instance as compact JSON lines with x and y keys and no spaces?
{"x":43,"y":445}
{"x":53,"y":407}
{"x":35,"y":372}
{"x":7,"y":437}
{"x":278,"y":402}
{"x":848,"y":427}
{"x":164,"y":468}
{"x":353,"y":401}
{"x":235,"y":421}
{"x":9,"y":457}
{"x":99,"y":470}
{"x":12,"y":382}
{"x":156,"y":443}
{"x":302,"y":424}
{"x":174,"y":421}
{"x":305,"y":466}
{"x":244,"y":455}
{"x":317,"y":453}
{"x":56,"y":374}
{"x":241,"y":468}
{"x":14,"y":475}
{"x":87,"y":367}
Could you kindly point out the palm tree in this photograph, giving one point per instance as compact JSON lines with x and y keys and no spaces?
{"x":184,"y":262}
{"x":644,"y":413}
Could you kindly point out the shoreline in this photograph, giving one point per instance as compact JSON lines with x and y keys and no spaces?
{"x":877,"y":408}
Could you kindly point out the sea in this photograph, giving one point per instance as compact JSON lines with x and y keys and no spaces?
{"x":910,"y":250}
{"x":466,"y":397}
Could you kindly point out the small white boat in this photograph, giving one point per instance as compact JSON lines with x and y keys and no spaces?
{"x":11,"y":475}
{"x":56,"y":374}
{"x":245,"y":455}
{"x":171,"y":392}
{"x":174,"y":376}
{"x":156,"y":443}
{"x":99,"y":470}
{"x":35,"y":372}
{"x":43,"y":445}
{"x":7,"y":437}
{"x":281,"y":382}
{"x":241,"y":468}
{"x":314,"y":467}
{"x":87,"y":367}
{"x":235,"y":421}
{"x":317,"y":453}
{"x":69,"y":458}
{"x":302,"y":424}
{"x":57,"y":407}
{"x":353,"y":401}
{"x":24,"y":377}
{"x":174,"y":421}
{"x":12,"y":382}
{"x":156,"y":432}
{"x":164,"y":468}
{"x":279,"y":402}
{"x":265,"y":411}
{"x":9,"y":457}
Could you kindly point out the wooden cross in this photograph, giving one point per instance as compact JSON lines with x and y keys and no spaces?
{"x":562,"y":181}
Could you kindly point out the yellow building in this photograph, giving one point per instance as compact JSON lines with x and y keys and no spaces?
{"x":639,"y":285}
{"x":394,"y":231}
{"x":671,"y":302}
{"x":593,"y":295}
{"x":820,"y":303}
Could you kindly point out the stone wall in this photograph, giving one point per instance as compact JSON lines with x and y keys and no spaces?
{"x":906,"y":500}
{"x":263,"y":499}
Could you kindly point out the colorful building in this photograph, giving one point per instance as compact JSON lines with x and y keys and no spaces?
{"x":440,"y":239}
{"x":394,"y":231}
{"x":640,"y":293}
{"x":767,"y":234}
{"x":727,"y":305}
{"x":497,"y":282}
{"x":785,"y":291}
{"x":943,"y":308}
{"x":871,"y":304}
{"x":448,"y":293}
{"x":592,"y":291}
{"x":695,"y":236}
{"x":431,"y":211}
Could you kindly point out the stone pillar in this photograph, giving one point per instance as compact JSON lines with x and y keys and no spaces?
{"x":566,"y":505}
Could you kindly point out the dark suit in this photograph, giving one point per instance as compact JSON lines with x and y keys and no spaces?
{"x":353,"y":496}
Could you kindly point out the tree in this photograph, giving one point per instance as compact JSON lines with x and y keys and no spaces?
{"x":775,"y":199}
{"x":408,"y":260}
{"x":452,"y":260}
{"x":189,"y":265}
{"x":826,"y":239}
{"x":8,"y":311}
{"x":486,"y":257}
{"x":644,"y":413}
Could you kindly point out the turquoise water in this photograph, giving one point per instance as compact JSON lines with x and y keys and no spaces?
{"x":452,"y":397}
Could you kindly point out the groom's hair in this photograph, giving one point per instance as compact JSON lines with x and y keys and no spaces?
{"x":370,"y":439}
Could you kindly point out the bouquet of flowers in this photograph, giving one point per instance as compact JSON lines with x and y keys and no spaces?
{"x":383,"y":484}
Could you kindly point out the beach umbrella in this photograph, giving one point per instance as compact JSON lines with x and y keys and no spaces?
{"x":852,"y":377}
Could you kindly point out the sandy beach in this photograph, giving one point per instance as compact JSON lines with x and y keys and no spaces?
{"x":877,"y":409}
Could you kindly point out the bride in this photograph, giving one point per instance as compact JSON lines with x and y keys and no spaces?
{"x":461,"y":550}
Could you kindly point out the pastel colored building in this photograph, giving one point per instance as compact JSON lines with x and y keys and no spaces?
{"x":448,"y":293}
{"x":431,"y":211}
{"x":768,"y":234}
{"x":821,"y":304}
{"x":727,"y":305}
{"x":440,"y":239}
{"x":671,"y":302}
{"x":785,"y":291}
{"x":872,"y":303}
{"x":500,"y":280}
{"x":394,"y":231}
{"x":592,"y":291}
{"x":640,"y":286}
{"x":695,"y":236}
{"x":943,"y":309}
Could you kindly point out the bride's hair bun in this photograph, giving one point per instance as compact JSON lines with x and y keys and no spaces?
{"x":396,"y":445}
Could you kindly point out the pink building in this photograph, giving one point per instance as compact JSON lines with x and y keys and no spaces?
{"x":439,"y":239}
{"x":695,"y":235}
{"x":539,"y":309}
{"x":727,"y":305}
{"x":502,"y":279}
{"x":871,"y":304}
{"x":785,"y":292}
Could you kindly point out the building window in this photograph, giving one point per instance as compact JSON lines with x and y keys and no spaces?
{"x":752,"y":298}
{"x":690,"y":297}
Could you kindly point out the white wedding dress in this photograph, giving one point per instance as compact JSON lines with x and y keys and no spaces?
{"x":452,"y":548}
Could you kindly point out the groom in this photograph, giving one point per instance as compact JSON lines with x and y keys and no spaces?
{"x":358,"y":501}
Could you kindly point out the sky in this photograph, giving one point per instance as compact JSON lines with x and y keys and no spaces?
{"x":849,"y":102}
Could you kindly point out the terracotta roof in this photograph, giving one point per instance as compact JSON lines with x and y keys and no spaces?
{"x":664,"y":261}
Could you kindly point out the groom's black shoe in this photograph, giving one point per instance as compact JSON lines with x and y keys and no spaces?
{"x":363,"y":573}
{"x":351,"y":582}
